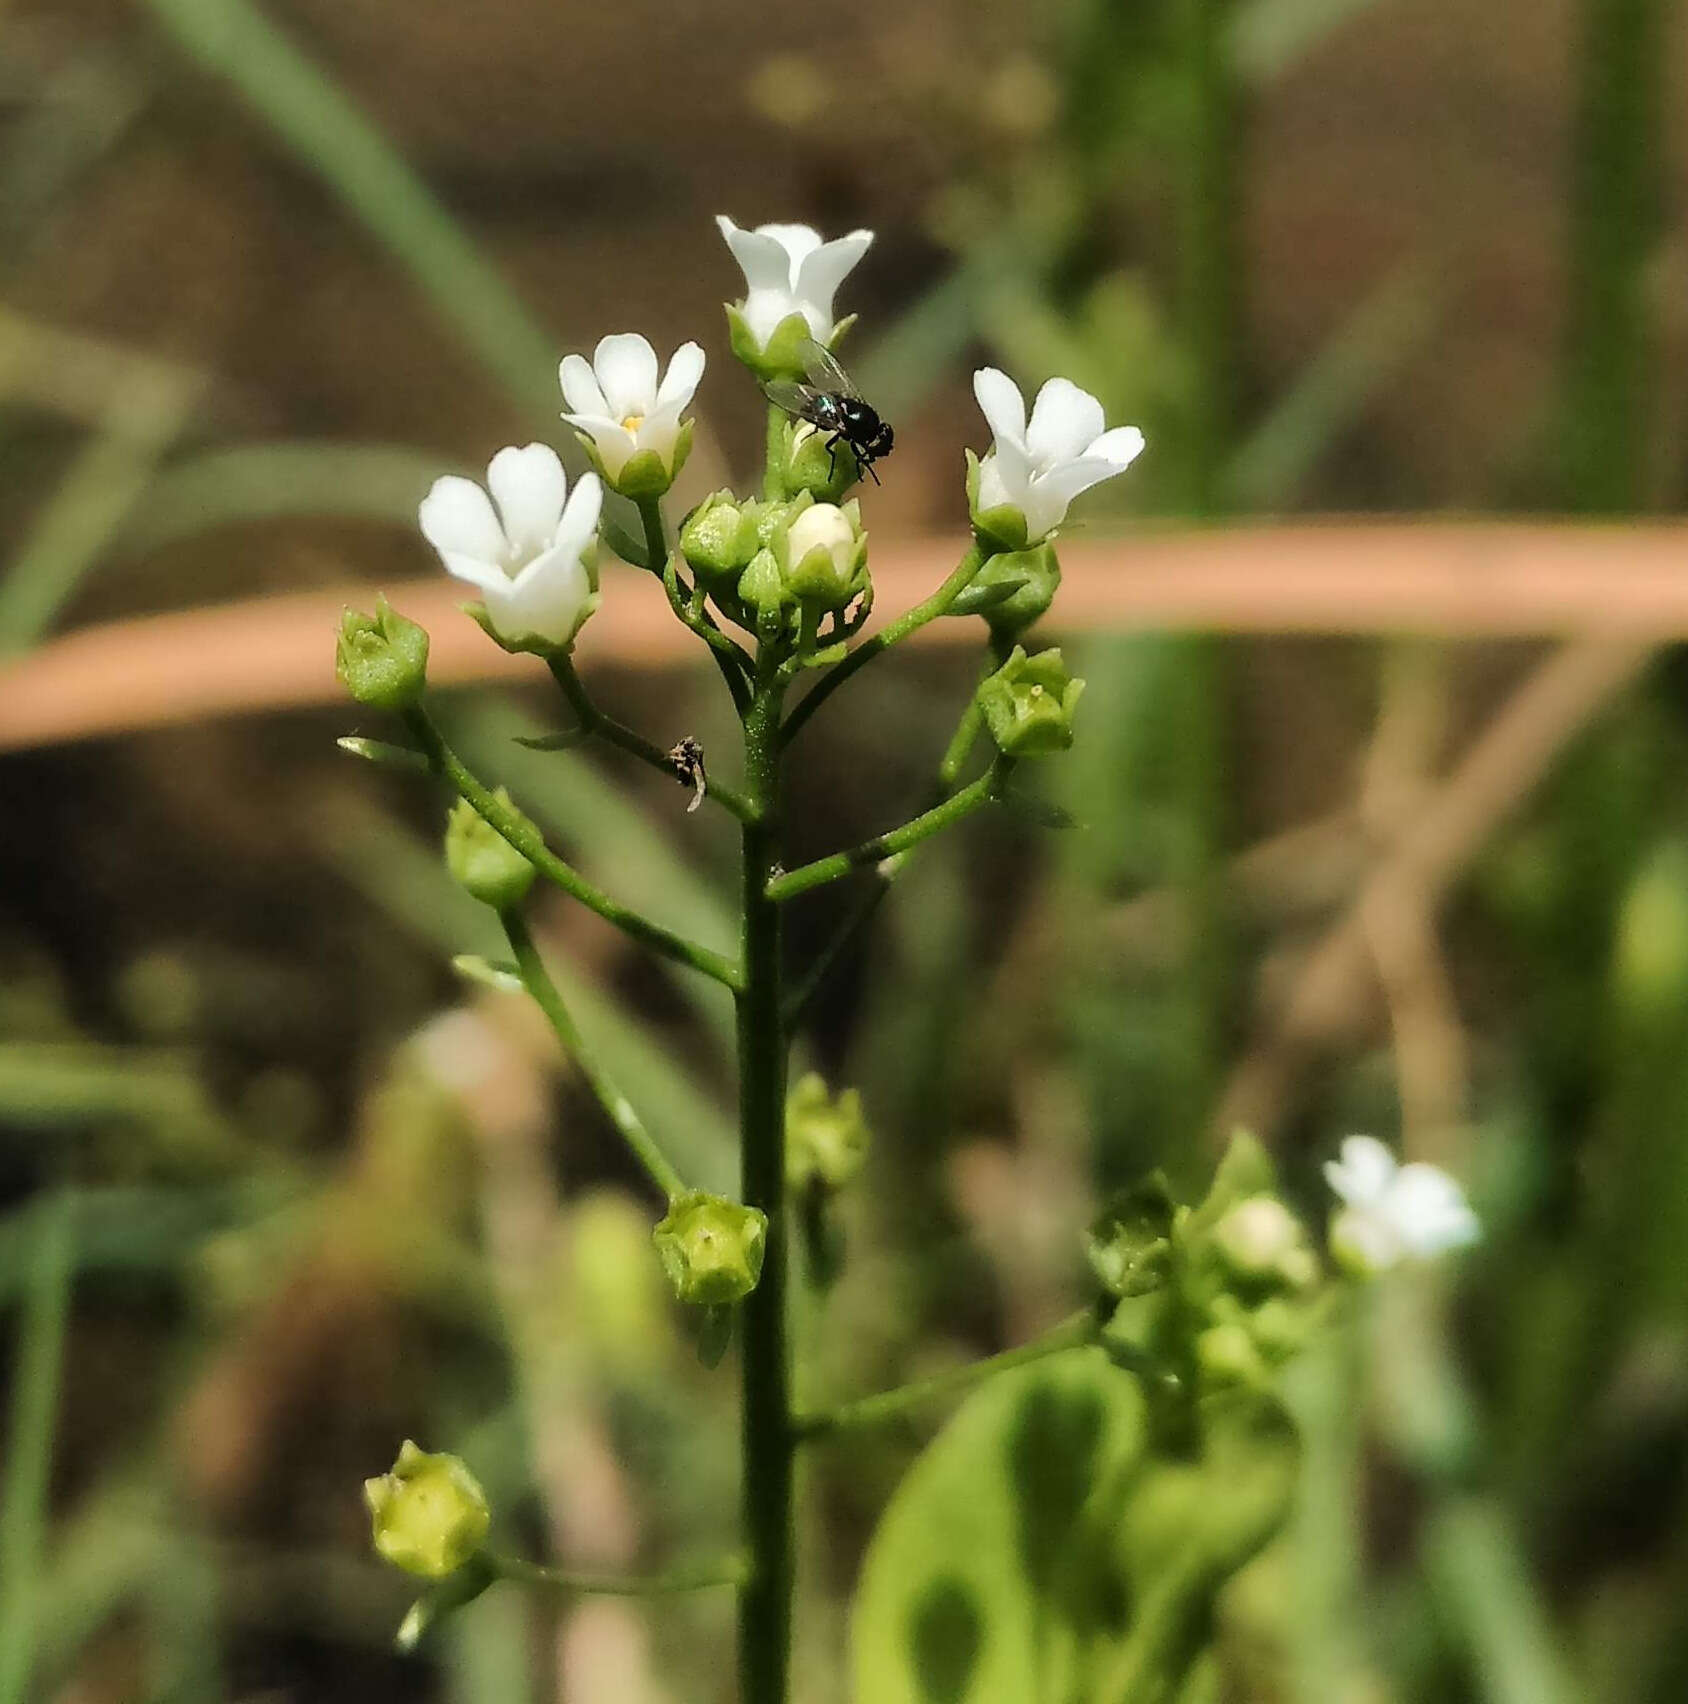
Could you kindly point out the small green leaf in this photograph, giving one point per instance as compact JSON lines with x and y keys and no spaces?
{"x":488,"y":972}
{"x":379,"y":751}
{"x":564,"y":740}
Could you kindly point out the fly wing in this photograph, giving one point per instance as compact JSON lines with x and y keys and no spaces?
{"x":794,"y":399}
{"x":825,"y":374}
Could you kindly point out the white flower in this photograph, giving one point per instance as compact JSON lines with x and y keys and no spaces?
{"x":528,"y":558}
{"x":1041,"y":467}
{"x":789,"y":270}
{"x":618,"y":402}
{"x":825,"y":549}
{"x":1393,"y":1212}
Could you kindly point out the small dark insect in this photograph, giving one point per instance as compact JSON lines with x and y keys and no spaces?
{"x":831,"y":403}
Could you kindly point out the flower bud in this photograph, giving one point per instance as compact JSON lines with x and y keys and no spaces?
{"x":1261,"y":1239}
{"x":825,"y":1139}
{"x":1227,"y":1355}
{"x":482,"y":860}
{"x":711,"y":1248}
{"x":1028,"y":704}
{"x":381,"y":659}
{"x":719,"y":537}
{"x":809,"y":462}
{"x":429,"y":1513}
{"x":826,"y":556}
{"x":1012,"y":590}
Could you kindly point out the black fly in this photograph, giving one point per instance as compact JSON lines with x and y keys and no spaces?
{"x":831,"y":403}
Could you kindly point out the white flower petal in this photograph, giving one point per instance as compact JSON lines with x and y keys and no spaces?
{"x":613,"y":442}
{"x":457,"y":516}
{"x":1054,"y":491}
{"x":580,"y":518}
{"x":660,"y":431}
{"x":762,"y":258}
{"x":994,"y":491}
{"x":581,"y":390}
{"x":1064,"y":421}
{"x":680,"y":382}
{"x":823,"y":269}
{"x":1122,"y":447}
{"x":798,"y":242}
{"x":1362,"y":1172}
{"x":485,"y":576}
{"x":1002,"y":405}
{"x":544,"y":601}
{"x":626,"y":367}
{"x":1429,"y":1211}
{"x":1365,"y":1240}
{"x":530,"y":485}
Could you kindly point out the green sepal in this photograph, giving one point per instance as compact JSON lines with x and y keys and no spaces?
{"x":999,"y":530}
{"x":379,"y":751}
{"x":781,"y":357}
{"x":1028,"y":704}
{"x":712,"y":1333}
{"x":1129,"y":1244}
{"x":720,"y":536}
{"x":711,"y":1248}
{"x":381,"y":659}
{"x":532,"y":644}
{"x":807,"y":464}
{"x":450,"y":1595}
{"x":565,"y":739}
{"x":489,"y":973}
{"x":1031,"y":577}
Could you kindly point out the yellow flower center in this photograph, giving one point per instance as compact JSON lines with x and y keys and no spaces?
{"x":633,"y":422}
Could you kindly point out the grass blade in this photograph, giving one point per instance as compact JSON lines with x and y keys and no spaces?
{"x":35,"y":1400}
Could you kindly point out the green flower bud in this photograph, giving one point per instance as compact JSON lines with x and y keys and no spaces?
{"x":381,"y":659}
{"x":719,"y":537}
{"x":825,"y":1139}
{"x":482,"y":860}
{"x":1028,"y":704}
{"x":1001,"y":529}
{"x":1227,"y":1355}
{"x":711,"y":1248}
{"x":1261,"y":1239}
{"x":826,"y":553}
{"x":1129,"y":1245}
{"x":429,"y":1513}
{"x":808,"y":463}
{"x":1012,"y":590}
{"x":762,"y":586}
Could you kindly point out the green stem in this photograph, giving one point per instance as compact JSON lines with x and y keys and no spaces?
{"x":531,"y":844}
{"x":1074,"y":1332}
{"x":636,"y":745}
{"x":696,"y":1578}
{"x":537,"y":980}
{"x":767,"y":1446}
{"x":885,"y":638}
{"x":961,"y":742}
{"x":961,"y":804}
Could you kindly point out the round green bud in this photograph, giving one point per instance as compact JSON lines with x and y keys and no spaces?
{"x":1028,"y":704}
{"x":826,"y":1140}
{"x":1012,"y":590}
{"x":1129,"y":1244}
{"x":429,"y":1514}
{"x":381,"y":659}
{"x":482,"y":860}
{"x":809,"y":463}
{"x":711,"y":1248}
{"x":719,"y":537}
{"x":1227,"y":1355}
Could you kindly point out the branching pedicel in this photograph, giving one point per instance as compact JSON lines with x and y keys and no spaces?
{"x":778,"y":588}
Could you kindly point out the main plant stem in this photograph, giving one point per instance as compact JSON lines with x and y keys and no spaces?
{"x":769,"y":1436}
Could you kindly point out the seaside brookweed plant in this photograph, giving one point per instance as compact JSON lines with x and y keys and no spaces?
{"x":1194,"y":1305}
